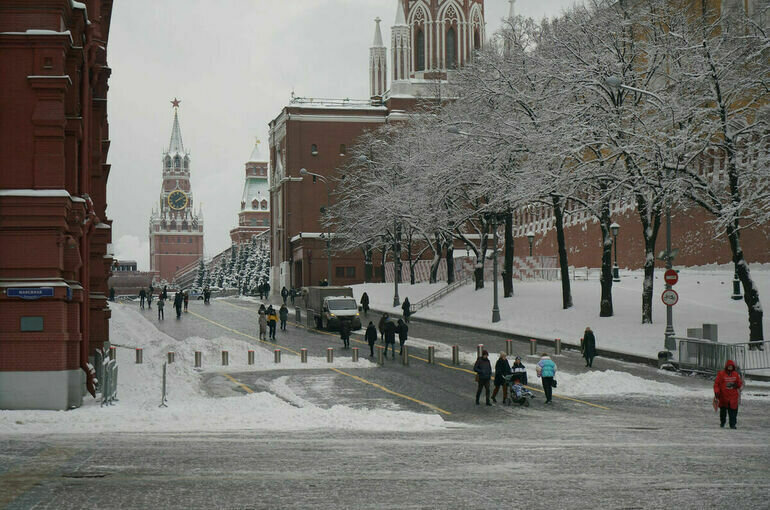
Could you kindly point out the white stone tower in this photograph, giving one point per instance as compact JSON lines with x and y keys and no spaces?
{"x":378,"y":64}
{"x":400,"y":46}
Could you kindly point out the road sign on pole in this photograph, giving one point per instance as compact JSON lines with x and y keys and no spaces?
{"x":669,"y":297}
{"x":671,"y":277}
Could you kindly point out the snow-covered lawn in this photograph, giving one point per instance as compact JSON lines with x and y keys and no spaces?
{"x":535,"y":309}
{"x":189,"y":408}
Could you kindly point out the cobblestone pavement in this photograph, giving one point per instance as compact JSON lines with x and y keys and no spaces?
{"x":607,"y":452}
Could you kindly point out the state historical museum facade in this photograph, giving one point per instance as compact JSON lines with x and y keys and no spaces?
{"x":54,"y":231}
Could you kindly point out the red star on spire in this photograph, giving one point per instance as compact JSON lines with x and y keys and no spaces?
{"x":175,"y":103}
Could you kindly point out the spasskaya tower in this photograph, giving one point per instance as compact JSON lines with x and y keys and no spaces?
{"x":176,"y":231}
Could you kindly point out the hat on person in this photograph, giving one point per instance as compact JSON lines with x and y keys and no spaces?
{"x":484,"y":353}
{"x":518,"y":358}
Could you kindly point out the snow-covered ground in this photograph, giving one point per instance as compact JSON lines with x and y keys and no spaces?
{"x":535,"y":309}
{"x":189,"y":409}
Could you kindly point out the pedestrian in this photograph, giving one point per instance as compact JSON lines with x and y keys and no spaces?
{"x":502,"y":368}
{"x":588,"y":346}
{"x":186,"y":297}
{"x":267,"y":290}
{"x":261,"y":290}
{"x":483,"y":369}
{"x":161,"y":305}
{"x":206,"y":296}
{"x":149,"y":299}
{"x":371,"y":337}
{"x":142,"y":297}
{"x":292,"y":295}
{"x":284,"y":294}
{"x":178,"y":299}
{"x":381,"y":326}
{"x":365,"y":303}
{"x":272,"y":320}
{"x":519,"y":370}
{"x":390,"y":338}
{"x":112,"y":294}
{"x":152,"y":289}
{"x":406,"y":307}
{"x":402,"y":329}
{"x":262,"y":324}
{"x":727,"y":393}
{"x":546,"y":370}
{"x":345,"y":333}
{"x":283,"y":315}
{"x":325,"y":283}
{"x":165,"y":292}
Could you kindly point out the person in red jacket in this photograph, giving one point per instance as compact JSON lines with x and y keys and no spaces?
{"x":727,"y":391}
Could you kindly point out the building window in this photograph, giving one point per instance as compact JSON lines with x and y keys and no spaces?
{"x":265,"y":222}
{"x":176,"y":162}
{"x":264,"y":205}
{"x":476,"y":40}
{"x":253,"y":222}
{"x":451,"y":49}
{"x":343,"y":149}
{"x":339,"y":272}
{"x":345,"y":271}
{"x":314,"y":150}
{"x":350,"y":271}
{"x":420,"y":48}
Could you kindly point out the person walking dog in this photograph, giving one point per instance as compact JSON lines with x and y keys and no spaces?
{"x":546,"y":370}
{"x":727,"y":393}
{"x":483,"y":369}
{"x":588,"y":346}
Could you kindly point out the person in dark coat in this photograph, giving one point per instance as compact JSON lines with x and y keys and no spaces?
{"x":165,"y":292}
{"x":727,"y":392}
{"x":267,"y":290}
{"x":272,"y":319}
{"x":178,"y":304}
{"x":325,"y":283}
{"x":149,"y":299}
{"x":283,"y":315}
{"x":345,"y":333}
{"x":185,"y":299}
{"x":112,"y":294}
{"x":483,"y":369}
{"x":406,"y":307}
{"x":161,"y":305}
{"x":292,"y":295}
{"x":402,"y":329}
{"x":206,"y":296}
{"x":284,"y":294}
{"x":371,"y":337}
{"x":502,"y":368}
{"x":381,"y":325}
{"x":519,"y":371}
{"x":142,"y":297}
{"x":390,"y":338}
{"x":365,"y":303}
{"x":589,"y":346}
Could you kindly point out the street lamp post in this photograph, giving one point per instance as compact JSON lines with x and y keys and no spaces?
{"x":495,"y":307}
{"x":304,"y":171}
{"x":614,"y":228}
{"x":530,"y":237}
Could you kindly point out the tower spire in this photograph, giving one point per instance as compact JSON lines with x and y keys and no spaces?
{"x":400,"y":18}
{"x":400,"y":46}
{"x":511,"y":12}
{"x":378,"y":65}
{"x":175,"y":145}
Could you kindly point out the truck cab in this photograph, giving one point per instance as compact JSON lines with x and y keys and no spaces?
{"x":328,"y":306}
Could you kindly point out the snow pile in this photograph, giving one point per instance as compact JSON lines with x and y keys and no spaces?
{"x":189,"y":409}
{"x":612,"y":382}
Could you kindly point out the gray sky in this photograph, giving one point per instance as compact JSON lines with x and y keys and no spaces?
{"x":233,"y":64}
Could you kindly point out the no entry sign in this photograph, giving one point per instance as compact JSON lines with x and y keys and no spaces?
{"x":669,"y":297}
{"x":671,"y":277}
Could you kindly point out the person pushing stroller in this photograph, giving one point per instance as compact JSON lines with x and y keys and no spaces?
{"x":519,"y":394}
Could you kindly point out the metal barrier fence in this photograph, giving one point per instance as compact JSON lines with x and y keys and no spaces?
{"x":108,"y":384}
{"x":707,"y":356}
{"x":757,"y":358}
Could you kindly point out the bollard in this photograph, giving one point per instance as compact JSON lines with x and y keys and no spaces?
{"x":277,"y":355}
{"x":557,"y":346}
{"x":329,"y":354}
{"x":139,"y":355}
{"x":163,"y":399}
{"x":455,"y":354}
{"x":251,"y":357}
{"x":113,"y":352}
{"x":198,"y":361}
{"x":225,"y":358}
{"x":509,"y":347}
{"x":298,"y":315}
{"x":355,"y":353}
{"x":405,"y":356}
{"x":380,"y":355}
{"x":479,"y":348}
{"x":303,"y":355}
{"x":431,"y":354}
{"x":532,"y":346}
{"x":170,"y":357}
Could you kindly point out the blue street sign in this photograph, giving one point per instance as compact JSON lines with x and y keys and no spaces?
{"x":30,"y":292}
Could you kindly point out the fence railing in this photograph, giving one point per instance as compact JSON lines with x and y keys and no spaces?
{"x":756,"y":356}
{"x":440,"y":293}
{"x":707,"y":356}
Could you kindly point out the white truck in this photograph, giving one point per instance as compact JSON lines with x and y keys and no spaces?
{"x":328,"y":306}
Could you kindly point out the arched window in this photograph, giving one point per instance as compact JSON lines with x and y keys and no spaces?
{"x":167,"y":162}
{"x":314,"y":150}
{"x":264,"y":204}
{"x":419,"y":47}
{"x":176,"y":162}
{"x":186,"y":162}
{"x":254,"y":204}
{"x":451,"y":49}
{"x":476,"y":40}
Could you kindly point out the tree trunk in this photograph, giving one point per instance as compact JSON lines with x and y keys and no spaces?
{"x":566,"y":292}
{"x":450,"y":261}
{"x":508,"y":262}
{"x":649,"y":216}
{"x":368,"y":264}
{"x":750,"y":290}
{"x":411,"y":264}
{"x":605,"y":306}
{"x":384,"y":258}
{"x":478,"y":273}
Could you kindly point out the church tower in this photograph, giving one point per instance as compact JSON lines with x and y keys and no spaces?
{"x":176,"y":231}
{"x":400,"y":46}
{"x":378,"y":65}
{"x":254,"y":217}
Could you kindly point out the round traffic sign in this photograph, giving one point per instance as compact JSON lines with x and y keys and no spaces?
{"x":669,"y":297}
{"x":671,"y":277}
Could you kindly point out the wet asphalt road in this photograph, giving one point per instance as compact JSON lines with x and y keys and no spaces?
{"x":603,"y":452}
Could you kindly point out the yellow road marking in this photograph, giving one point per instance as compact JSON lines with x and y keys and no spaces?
{"x":411,"y":356}
{"x":246,"y":388}
{"x":19,"y":479}
{"x":383,"y":388}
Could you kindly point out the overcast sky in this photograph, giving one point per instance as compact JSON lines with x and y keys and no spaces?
{"x":233,"y":64}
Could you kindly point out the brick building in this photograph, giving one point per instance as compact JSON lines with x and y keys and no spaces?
{"x":429,"y":40}
{"x":54,"y":231}
{"x":176,"y":230}
{"x":254,"y":216}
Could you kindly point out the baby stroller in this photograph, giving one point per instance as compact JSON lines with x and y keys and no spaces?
{"x":524,"y":395}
